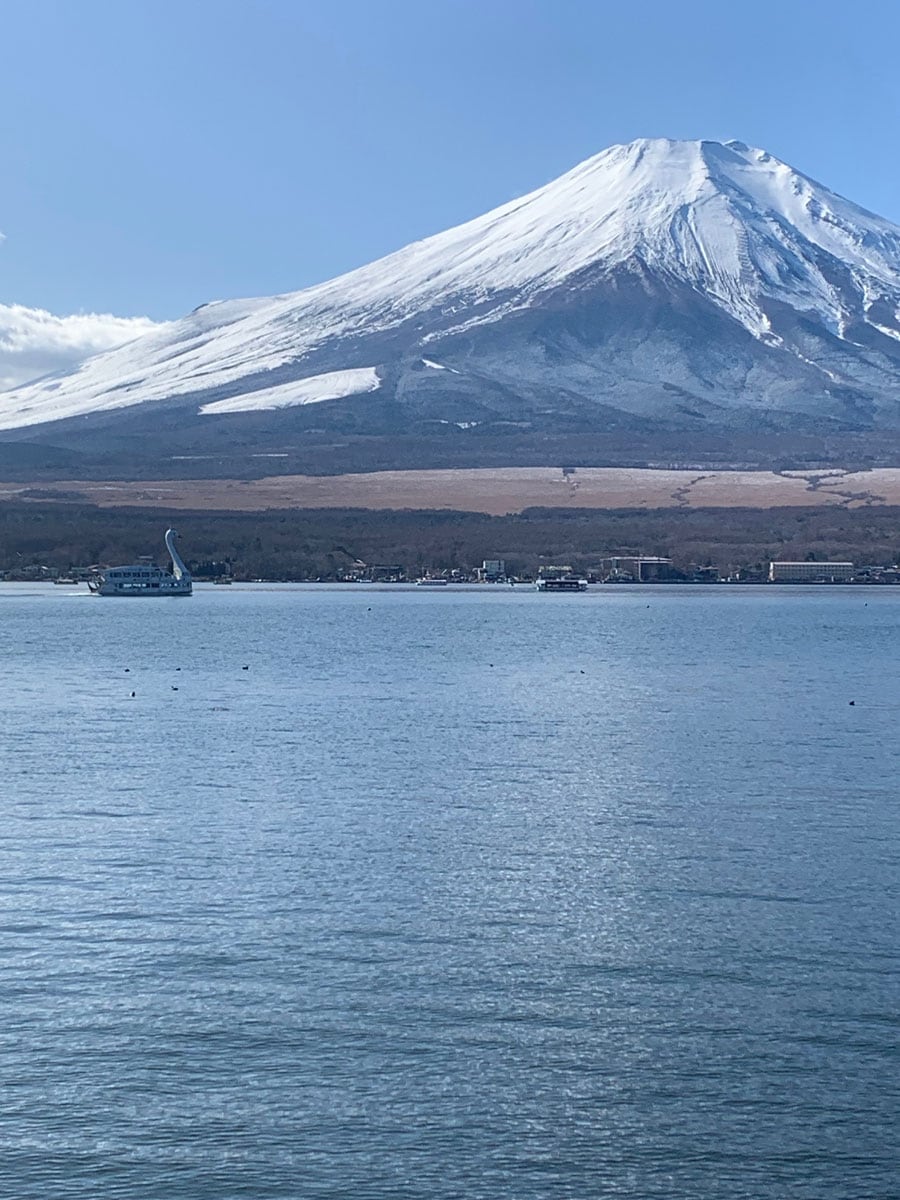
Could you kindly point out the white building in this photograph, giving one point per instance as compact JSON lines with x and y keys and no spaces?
{"x":810,"y":572}
{"x":493,"y":569}
{"x":637,"y":568}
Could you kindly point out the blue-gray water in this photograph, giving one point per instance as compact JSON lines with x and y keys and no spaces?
{"x":451,"y":894}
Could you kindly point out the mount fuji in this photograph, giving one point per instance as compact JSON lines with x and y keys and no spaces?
{"x":660,"y":289}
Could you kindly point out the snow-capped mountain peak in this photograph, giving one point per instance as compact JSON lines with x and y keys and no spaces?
{"x":721,"y":226}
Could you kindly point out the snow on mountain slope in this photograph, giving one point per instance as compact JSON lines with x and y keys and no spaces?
{"x":801,"y":272}
{"x":333,"y":385}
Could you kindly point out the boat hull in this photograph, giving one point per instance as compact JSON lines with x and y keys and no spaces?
{"x":562,"y":585}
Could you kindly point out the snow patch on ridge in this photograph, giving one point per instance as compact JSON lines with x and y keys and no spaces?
{"x":333,"y":385}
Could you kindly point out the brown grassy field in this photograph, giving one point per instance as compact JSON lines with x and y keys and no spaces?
{"x":495,"y":491}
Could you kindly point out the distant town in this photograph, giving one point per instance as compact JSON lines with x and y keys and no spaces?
{"x":45,"y":541}
{"x":619,"y":569}
{"x":643,"y":569}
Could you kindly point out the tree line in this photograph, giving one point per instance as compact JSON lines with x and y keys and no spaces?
{"x":326,"y":543}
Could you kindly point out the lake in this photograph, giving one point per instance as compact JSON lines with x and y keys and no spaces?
{"x":376,"y":892}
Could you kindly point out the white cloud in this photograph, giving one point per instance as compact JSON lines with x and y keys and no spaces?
{"x":34,"y":342}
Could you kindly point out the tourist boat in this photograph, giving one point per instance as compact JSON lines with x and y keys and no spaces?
{"x":427,"y":581}
{"x":563,"y":583}
{"x":145,"y":578}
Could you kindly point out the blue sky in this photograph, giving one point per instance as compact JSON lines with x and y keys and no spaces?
{"x":156,"y":154}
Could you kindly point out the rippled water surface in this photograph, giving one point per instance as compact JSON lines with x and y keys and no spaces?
{"x":450,"y":894}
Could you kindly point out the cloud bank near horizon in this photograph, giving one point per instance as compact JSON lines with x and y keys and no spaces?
{"x":34,"y":342}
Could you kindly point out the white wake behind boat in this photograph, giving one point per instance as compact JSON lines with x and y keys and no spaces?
{"x":145,"y":578}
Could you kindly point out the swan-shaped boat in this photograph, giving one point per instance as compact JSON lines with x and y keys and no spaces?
{"x":145,"y":578}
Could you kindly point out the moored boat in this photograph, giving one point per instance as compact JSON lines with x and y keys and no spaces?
{"x":428,"y":581}
{"x":145,"y":578}
{"x":565,"y":583}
